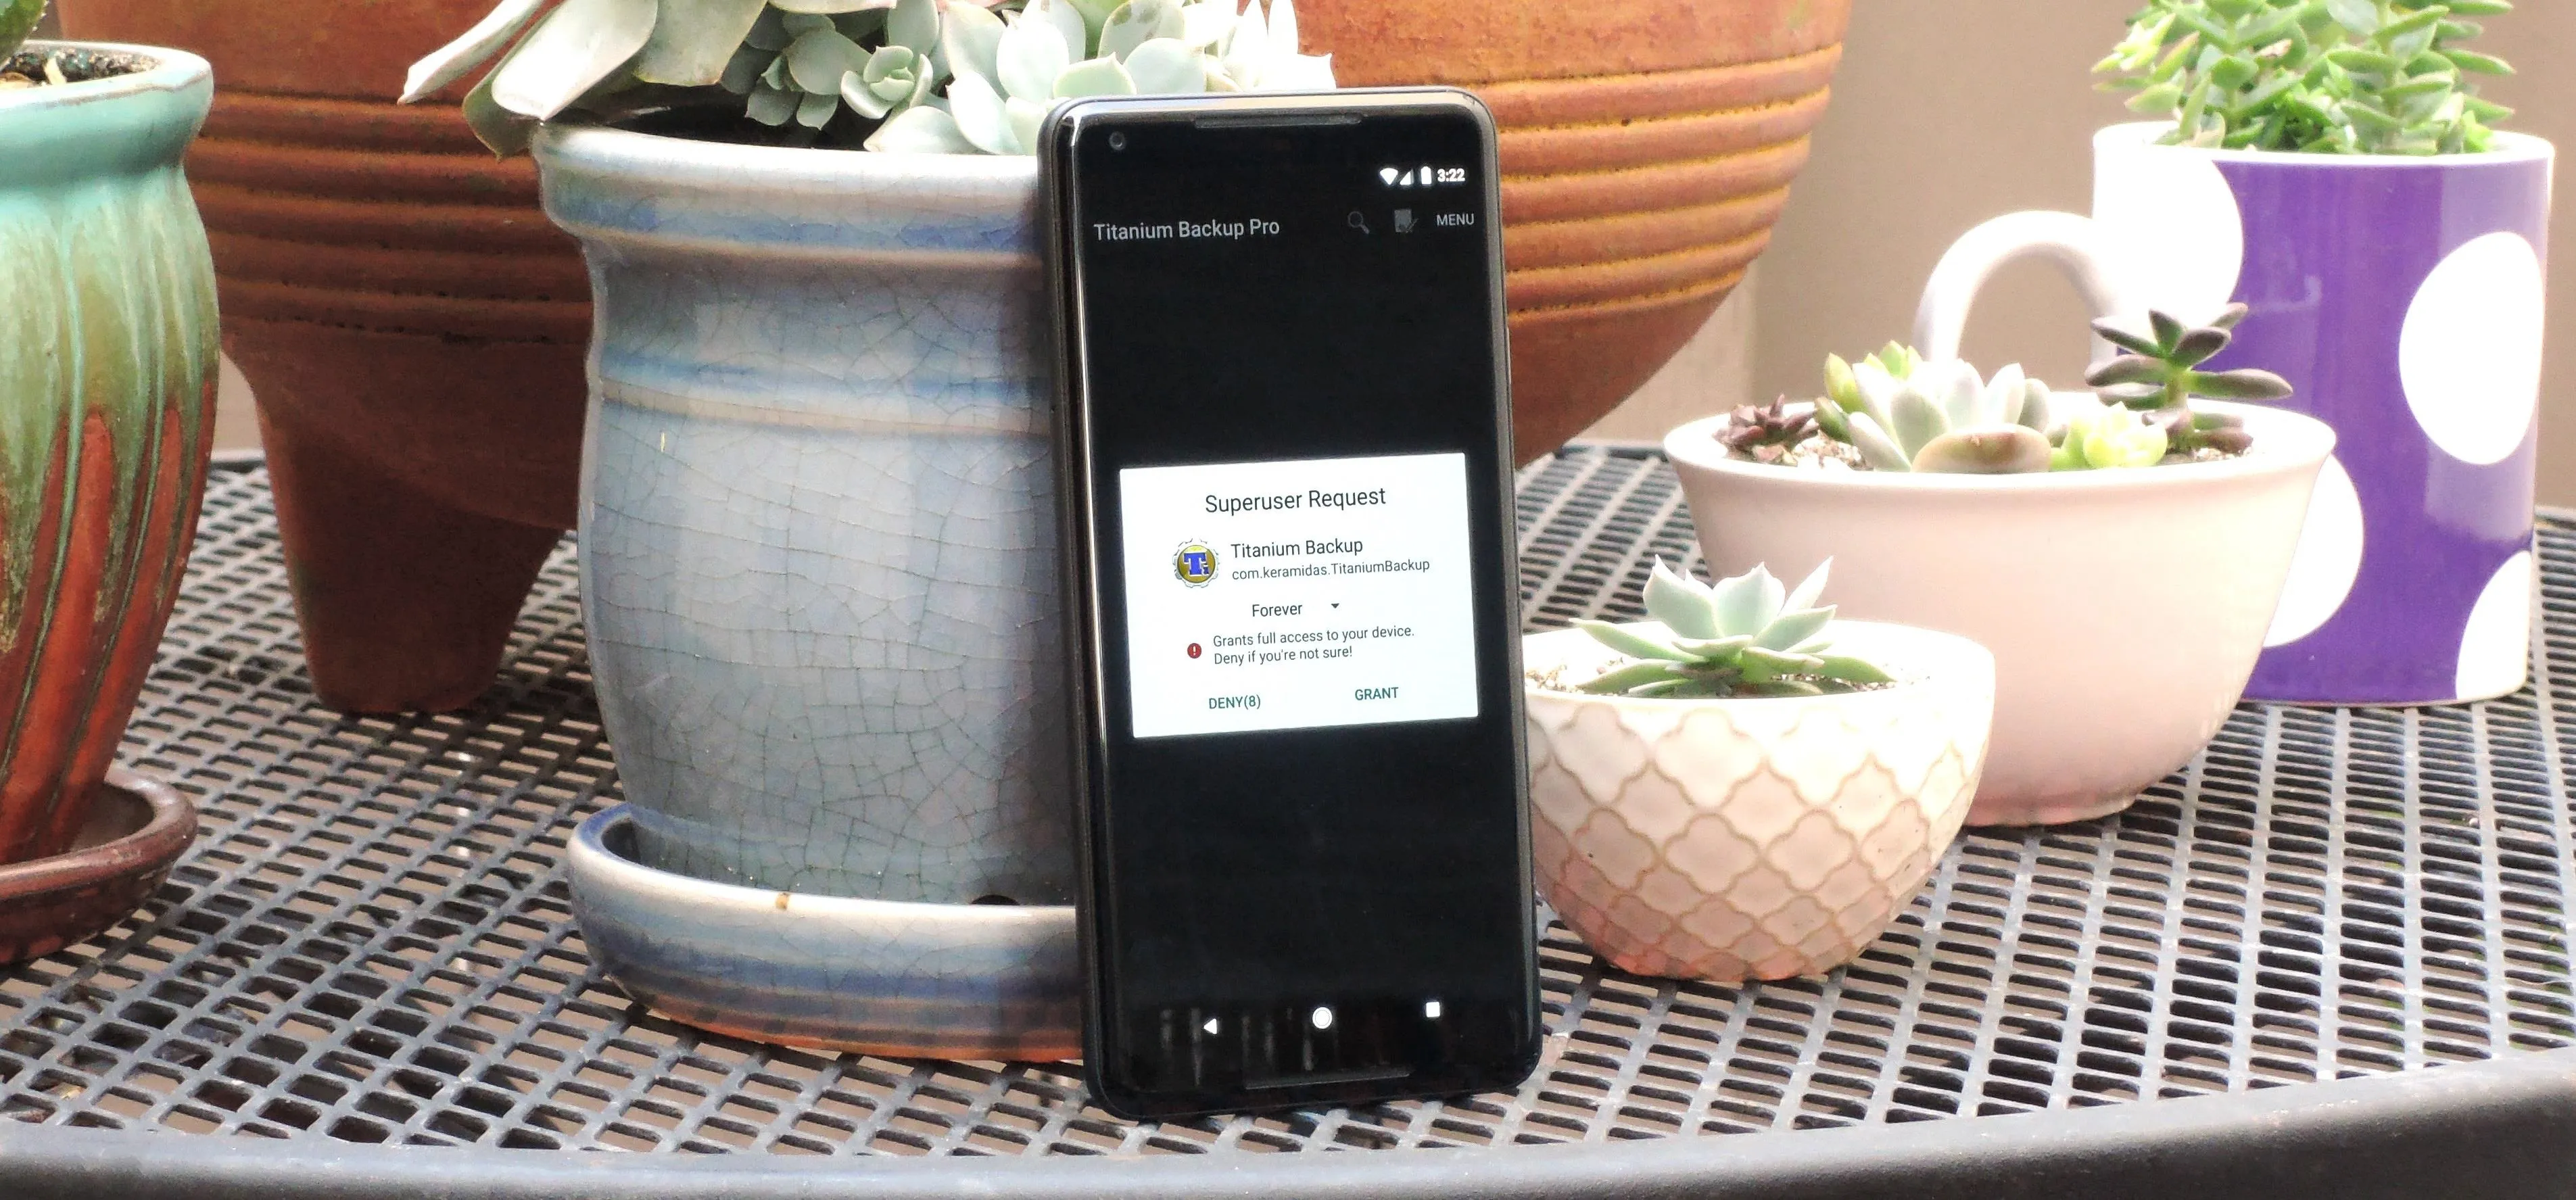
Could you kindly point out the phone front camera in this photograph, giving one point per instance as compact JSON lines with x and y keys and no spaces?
{"x":1117,"y":141}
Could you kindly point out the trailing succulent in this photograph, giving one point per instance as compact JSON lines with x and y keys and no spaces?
{"x":1745,"y":636}
{"x":2325,"y":76}
{"x":930,"y":76}
{"x":1902,"y":413}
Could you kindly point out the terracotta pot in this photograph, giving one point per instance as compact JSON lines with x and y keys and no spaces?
{"x":1647,"y":147}
{"x":107,"y":365}
{"x":412,"y":326}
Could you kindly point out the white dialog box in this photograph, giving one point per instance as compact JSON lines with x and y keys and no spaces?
{"x":1298,"y":595}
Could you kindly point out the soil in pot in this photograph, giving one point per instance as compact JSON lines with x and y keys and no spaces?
{"x":49,"y":66}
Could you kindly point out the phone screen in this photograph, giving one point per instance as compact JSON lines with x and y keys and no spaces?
{"x":1288,"y":414}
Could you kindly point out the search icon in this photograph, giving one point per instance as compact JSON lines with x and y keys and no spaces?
{"x":1358,"y":222}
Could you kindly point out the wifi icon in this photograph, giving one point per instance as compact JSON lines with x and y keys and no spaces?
{"x":1387,"y":174}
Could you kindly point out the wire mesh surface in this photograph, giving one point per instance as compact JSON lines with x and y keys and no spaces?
{"x":371,"y":941}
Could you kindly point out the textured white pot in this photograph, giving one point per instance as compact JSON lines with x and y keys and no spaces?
{"x":2124,"y":608}
{"x":1751,"y":838}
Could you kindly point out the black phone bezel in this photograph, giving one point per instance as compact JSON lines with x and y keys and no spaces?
{"x":1058,"y":223}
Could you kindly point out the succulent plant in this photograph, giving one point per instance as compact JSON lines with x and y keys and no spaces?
{"x":2159,"y":374}
{"x":2109,"y":437}
{"x":1745,"y":636}
{"x":17,"y":21}
{"x":1902,"y":413}
{"x":2326,"y":76}
{"x":1766,"y":435}
{"x":802,"y":66}
{"x":1905,"y":414}
{"x":936,"y":76}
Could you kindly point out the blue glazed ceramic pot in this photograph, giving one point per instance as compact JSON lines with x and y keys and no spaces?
{"x":817,"y":519}
{"x":972,"y":981}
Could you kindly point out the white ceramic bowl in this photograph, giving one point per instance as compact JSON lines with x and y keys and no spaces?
{"x":2124,"y":608}
{"x":1751,"y":838}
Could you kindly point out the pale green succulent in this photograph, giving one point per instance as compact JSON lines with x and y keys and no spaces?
{"x":2324,"y":76}
{"x":17,"y":21}
{"x":1905,"y":414}
{"x":936,"y":76}
{"x":1745,"y":636}
{"x":2109,"y":437}
{"x":803,"y":67}
{"x":1008,"y":72}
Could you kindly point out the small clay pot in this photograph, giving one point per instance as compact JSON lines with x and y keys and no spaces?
{"x":1647,"y":148}
{"x":107,"y":366}
{"x":412,"y":327}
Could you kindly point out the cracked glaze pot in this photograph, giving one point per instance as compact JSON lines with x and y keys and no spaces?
{"x":817,"y":531}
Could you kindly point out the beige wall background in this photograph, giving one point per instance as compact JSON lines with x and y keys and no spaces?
{"x":1947,"y":112}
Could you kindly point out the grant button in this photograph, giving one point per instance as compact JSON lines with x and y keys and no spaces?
{"x":1384,"y":693}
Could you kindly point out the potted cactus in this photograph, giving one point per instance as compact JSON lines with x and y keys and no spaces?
{"x":2288,"y":126}
{"x":1742,"y":786}
{"x":107,"y":363}
{"x":2048,"y":526}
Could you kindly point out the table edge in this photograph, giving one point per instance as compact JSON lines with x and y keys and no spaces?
{"x":2503,"y":1127}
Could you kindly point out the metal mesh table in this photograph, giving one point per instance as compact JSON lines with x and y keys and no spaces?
{"x":371,"y":947}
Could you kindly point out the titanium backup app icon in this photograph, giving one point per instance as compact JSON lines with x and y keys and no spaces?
{"x":1195,"y":564}
{"x":1347,"y":597}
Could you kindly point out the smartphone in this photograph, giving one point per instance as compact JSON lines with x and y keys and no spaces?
{"x":1284,"y":422}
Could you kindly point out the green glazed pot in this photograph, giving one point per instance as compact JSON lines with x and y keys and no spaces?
{"x":107,"y":371}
